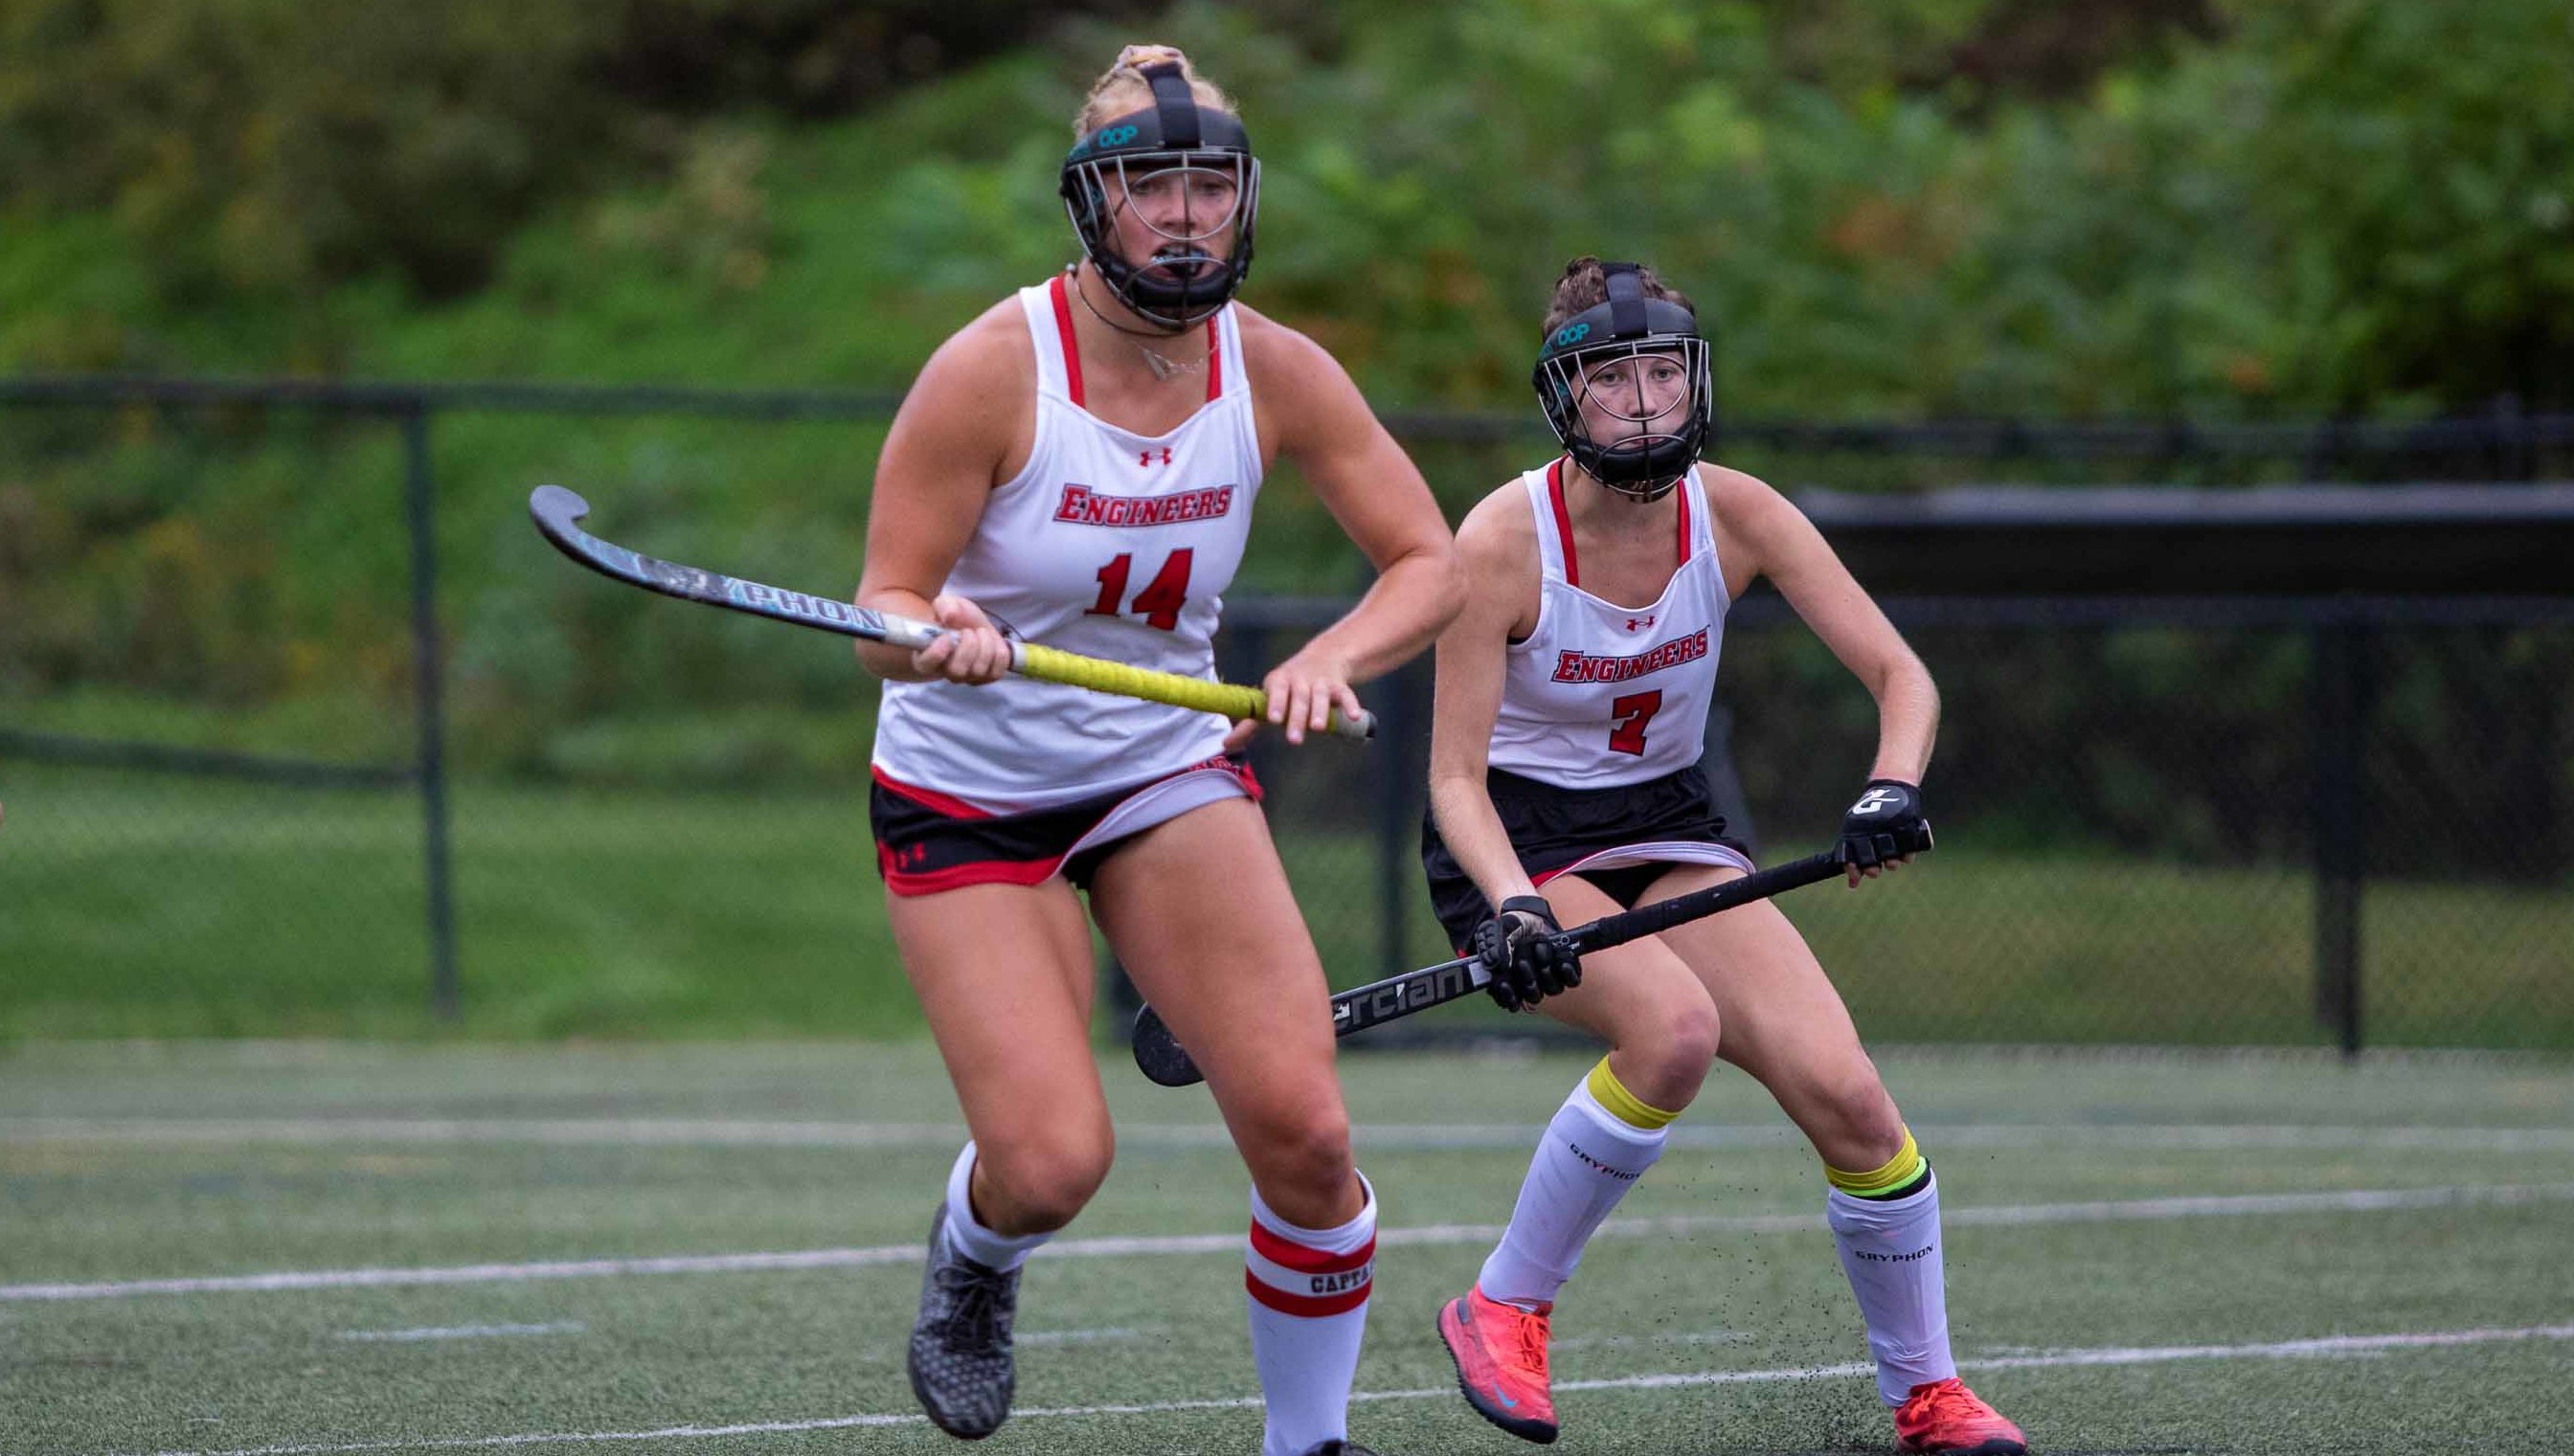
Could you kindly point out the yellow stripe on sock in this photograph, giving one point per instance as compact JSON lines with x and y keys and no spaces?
{"x":1622,"y":1105}
{"x":1899,"y":1170}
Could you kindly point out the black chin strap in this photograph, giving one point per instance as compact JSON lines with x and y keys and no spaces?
{"x":1626,"y":300}
{"x":1174,"y":104}
{"x":1072,"y":279}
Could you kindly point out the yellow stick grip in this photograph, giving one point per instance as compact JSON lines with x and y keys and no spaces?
{"x":1054,"y":664}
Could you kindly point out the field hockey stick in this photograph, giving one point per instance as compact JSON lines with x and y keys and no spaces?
{"x":1159,"y":1056}
{"x":557,"y":511}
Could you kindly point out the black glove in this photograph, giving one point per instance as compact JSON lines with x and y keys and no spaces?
{"x":1519,"y":946}
{"x":1884,"y":825}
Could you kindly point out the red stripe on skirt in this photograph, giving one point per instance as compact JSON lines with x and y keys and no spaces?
{"x":952,"y":806}
{"x":957,"y":877}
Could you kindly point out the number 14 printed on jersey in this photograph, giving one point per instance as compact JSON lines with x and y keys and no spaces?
{"x":1162,"y":597}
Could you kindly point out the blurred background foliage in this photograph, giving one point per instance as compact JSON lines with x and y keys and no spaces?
{"x":1892,"y":208}
{"x":1916,"y":207}
{"x":2161,"y":210}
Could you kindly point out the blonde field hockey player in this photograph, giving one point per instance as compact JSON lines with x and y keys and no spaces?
{"x":1572,"y":693}
{"x":1078,"y":465}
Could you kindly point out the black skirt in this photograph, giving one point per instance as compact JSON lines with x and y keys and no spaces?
{"x":1554,"y":828}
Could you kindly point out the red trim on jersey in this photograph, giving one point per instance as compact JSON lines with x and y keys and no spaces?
{"x":1307,"y":1306}
{"x":1685,"y":530}
{"x":1304,"y":1260}
{"x":929,"y":798}
{"x":1215,"y":363}
{"x":1063,"y":326}
{"x":1563,"y":521}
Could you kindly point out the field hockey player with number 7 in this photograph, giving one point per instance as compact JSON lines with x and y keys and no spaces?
{"x":1572,"y":694}
{"x":1078,"y":465}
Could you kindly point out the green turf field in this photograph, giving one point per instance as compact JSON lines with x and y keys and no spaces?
{"x":171,"y":907}
{"x":2147,"y":1254}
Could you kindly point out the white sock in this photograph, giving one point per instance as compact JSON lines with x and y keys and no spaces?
{"x":1309,"y":1292}
{"x":1586,"y":1161}
{"x":1001,"y":1251}
{"x":1891,"y":1250}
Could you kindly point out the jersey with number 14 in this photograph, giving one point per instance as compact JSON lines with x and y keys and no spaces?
{"x":1108,"y":543}
{"x":1601,"y":695}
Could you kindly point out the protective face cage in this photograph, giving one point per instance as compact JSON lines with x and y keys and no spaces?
{"x":1576,"y":364}
{"x":1204,"y":155}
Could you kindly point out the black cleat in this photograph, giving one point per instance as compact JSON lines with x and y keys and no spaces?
{"x":960,"y":1346}
{"x":1340,"y":1448}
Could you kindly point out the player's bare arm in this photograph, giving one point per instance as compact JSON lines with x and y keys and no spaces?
{"x":1497,"y":547}
{"x":1763,"y":534}
{"x":961,"y":430}
{"x":1781,"y":544}
{"x":1311,"y":412}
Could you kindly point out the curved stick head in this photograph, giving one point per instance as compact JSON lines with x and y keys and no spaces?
{"x":1160,"y":1054}
{"x":557,"y":511}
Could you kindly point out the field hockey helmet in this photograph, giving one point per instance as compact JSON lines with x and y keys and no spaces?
{"x":1643,"y":360}
{"x":1175,"y":142}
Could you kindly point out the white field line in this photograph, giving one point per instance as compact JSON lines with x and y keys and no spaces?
{"x":1381,"y":1137}
{"x":2327,"y":1347}
{"x":1087,"y":1336}
{"x":2349,"y":1200}
{"x":1616,"y":1342}
{"x":462,"y":1332}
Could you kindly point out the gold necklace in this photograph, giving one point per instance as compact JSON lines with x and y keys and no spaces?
{"x":1162,"y":365}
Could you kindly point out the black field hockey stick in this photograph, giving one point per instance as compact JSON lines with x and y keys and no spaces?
{"x":1161,"y":1058}
{"x":558,"y":511}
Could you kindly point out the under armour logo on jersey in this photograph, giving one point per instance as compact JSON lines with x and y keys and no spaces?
{"x":1145,"y":457}
{"x":1638,"y":624}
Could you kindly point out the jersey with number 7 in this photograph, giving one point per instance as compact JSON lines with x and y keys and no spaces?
{"x":1600,"y":695}
{"x":1108,"y":543}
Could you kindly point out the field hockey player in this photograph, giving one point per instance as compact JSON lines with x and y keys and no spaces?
{"x":1572,"y":694}
{"x":1079,"y":465}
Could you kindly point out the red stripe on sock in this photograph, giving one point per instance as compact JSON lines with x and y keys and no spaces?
{"x":1306,"y":1260}
{"x":1307,"y":1306}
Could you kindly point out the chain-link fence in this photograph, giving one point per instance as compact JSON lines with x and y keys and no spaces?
{"x":240,"y":700}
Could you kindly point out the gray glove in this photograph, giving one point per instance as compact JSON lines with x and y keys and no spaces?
{"x":1520,"y":946}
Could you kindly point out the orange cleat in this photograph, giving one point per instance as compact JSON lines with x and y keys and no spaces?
{"x":1946,"y":1417}
{"x":1500,"y":1350}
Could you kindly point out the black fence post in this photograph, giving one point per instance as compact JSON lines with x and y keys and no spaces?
{"x":445,"y":996}
{"x":2515,"y":454}
{"x":2340,"y":719}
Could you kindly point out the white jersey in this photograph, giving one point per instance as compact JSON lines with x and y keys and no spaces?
{"x":1109,"y":543}
{"x":1599,"y":694}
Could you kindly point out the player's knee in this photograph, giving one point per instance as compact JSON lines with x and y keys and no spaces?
{"x":1665,"y":1059}
{"x":1304,"y":1157}
{"x":1043,"y":1186}
{"x":1860,"y":1114}
{"x":1689,"y":1039}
